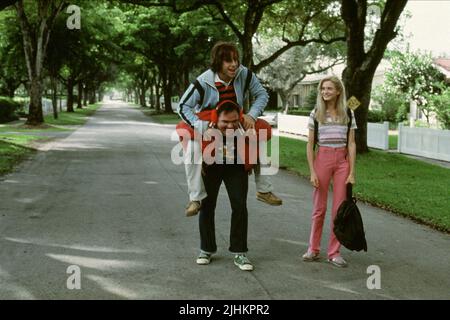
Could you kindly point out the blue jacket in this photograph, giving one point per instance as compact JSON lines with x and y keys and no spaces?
{"x":190,"y":101}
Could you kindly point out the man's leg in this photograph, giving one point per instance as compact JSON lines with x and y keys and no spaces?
{"x":212,"y":180}
{"x":193,"y":168}
{"x":264,"y":188}
{"x":236,"y":183}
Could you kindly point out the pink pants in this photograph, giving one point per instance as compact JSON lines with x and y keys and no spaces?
{"x":330,"y":163}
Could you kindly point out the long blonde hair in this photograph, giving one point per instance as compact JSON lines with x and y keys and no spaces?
{"x":321,"y":107}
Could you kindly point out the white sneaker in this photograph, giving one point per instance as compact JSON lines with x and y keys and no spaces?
{"x":338,"y":262}
{"x":204,"y":258}
{"x":310,"y":256}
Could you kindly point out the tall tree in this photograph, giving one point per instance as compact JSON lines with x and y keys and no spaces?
{"x":6,"y":3}
{"x":415,"y":75}
{"x":288,"y":70}
{"x":13,"y":70}
{"x":244,"y":19}
{"x":35,"y":40}
{"x":362,"y":62}
{"x":172,"y":43}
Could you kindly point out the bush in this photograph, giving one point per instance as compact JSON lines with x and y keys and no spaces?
{"x":299,"y":112}
{"x":311,"y":99}
{"x":8,"y":109}
{"x":394,"y":104}
{"x":375,"y":116}
{"x":441,"y":105}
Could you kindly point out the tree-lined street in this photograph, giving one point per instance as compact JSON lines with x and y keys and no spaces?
{"x":109,"y":200}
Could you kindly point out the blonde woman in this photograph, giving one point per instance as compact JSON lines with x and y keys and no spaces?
{"x":334,"y":161}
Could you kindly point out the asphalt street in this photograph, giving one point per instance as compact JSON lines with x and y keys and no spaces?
{"x":108,"y":200}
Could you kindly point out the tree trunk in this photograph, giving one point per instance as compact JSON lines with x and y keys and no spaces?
{"x":359,"y":85}
{"x":85,"y":96}
{"x":142,"y":91}
{"x":158,"y":100}
{"x":35,"y":115}
{"x":186,"y":80}
{"x":70,"y":86}
{"x":54,"y":97}
{"x":362,"y":63}
{"x":168,"y":95}
{"x":35,"y":41}
{"x":158,"y":94}
{"x":92,"y":95}
{"x":61,"y":95}
{"x":80,"y":95}
{"x":247,"y":52}
{"x":284,"y":101}
{"x":136,"y":96}
{"x":152,"y":97}
{"x":101,"y":94}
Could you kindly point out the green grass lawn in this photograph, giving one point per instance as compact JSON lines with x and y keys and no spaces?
{"x":14,"y":144}
{"x":394,"y":182}
{"x":79,"y":117}
{"x":22,"y":128}
{"x":162,"y":118}
{"x":11,"y":154}
{"x":393,"y":140}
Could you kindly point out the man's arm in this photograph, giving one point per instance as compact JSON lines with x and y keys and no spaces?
{"x":186,"y":107}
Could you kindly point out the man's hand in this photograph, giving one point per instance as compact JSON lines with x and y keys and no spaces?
{"x":208,"y":134}
{"x":248,"y":122}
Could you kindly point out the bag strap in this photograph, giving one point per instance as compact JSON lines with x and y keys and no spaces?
{"x":248,"y":79}
{"x":349,"y":192}
{"x":349,"y":125}
{"x":316,"y":130}
{"x":200,"y":90}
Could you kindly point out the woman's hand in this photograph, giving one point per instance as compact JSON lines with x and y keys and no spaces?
{"x":314,"y":180}
{"x":350,"y":179}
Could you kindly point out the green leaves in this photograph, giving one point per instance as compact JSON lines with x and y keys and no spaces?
{"x":415,"y":75}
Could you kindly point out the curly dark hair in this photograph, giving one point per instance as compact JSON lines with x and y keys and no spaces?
{"x":223,"y":51}
{"x":227,"y":106}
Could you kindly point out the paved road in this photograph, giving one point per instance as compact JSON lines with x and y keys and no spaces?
{"x":109,"y":200}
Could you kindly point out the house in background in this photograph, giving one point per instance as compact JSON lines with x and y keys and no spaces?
{"x":310,"y":82}
{"x":443,"y":66}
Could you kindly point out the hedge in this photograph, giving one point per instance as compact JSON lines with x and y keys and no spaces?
{"x":8,"y":109}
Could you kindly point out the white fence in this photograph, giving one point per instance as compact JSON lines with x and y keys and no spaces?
{"x":293,"y":124}
{"x":377,"y":134}
{"x":424,"y":142}
{"x":47,"y":107}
